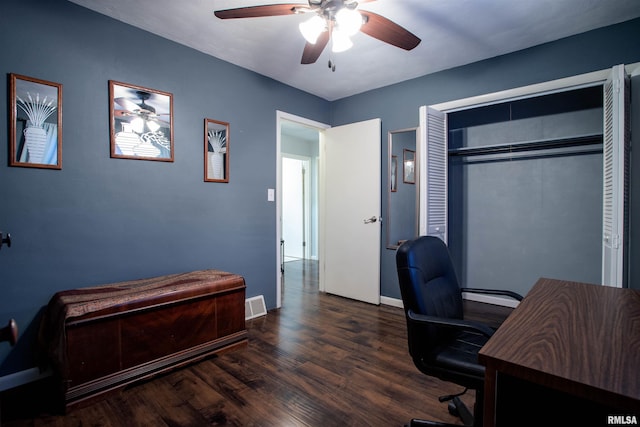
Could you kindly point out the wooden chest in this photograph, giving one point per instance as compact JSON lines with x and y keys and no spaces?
{"x":102,"y":338}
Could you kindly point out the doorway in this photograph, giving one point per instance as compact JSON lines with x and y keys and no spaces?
{"x":297,"y":199}
{"x":339,"y":219}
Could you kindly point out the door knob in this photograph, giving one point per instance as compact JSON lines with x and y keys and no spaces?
{"x":9,"y":332}
{"x":370,"y":220}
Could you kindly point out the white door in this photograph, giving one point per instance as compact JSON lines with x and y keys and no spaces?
{"x":294,"y":207}
{"x":350,"y":254}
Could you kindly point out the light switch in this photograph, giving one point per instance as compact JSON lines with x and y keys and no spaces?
{"x":271,"y":194}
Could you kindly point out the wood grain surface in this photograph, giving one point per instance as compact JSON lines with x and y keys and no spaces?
{"x":577,"y":338}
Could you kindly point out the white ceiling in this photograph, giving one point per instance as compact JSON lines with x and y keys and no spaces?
{"x":453,"y":33}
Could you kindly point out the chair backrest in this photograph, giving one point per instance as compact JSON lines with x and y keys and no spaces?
{"x":429,"y":286}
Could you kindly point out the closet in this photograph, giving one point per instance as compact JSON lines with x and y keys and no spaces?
{"x":519,"y":187}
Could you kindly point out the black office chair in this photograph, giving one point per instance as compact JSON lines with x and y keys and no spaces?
{"x":441,"y":343}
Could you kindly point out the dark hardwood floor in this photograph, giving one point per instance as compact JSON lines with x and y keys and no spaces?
{"x":321,"y":360}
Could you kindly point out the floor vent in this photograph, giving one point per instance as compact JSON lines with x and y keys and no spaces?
{"x":254,"y":307}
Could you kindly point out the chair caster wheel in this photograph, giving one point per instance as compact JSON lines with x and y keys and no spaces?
{"x":453,"y":409}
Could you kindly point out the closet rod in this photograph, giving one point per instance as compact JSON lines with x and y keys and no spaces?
{"x":543,"y":144}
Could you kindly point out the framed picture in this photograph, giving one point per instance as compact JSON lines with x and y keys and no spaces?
{"x":409,"y":166}
{"x":394,"y":173}
{"x":141,"y":122}
{"x":35,"y":123}
{"x":216,"y":151}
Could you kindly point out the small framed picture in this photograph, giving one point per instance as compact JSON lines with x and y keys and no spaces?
{"x":216,"y":151}
{"x":409,"y":166}
{"x":141,"y":122}
{"x":35,"y":123}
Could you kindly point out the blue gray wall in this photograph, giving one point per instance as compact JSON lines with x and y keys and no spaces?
{"x":101,"y":220}
{"x":397,"y":105}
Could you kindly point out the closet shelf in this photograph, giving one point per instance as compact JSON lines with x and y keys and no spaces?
{"x":542,"y":144}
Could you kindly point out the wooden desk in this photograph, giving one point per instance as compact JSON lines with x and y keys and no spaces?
{"x":569,"y":347}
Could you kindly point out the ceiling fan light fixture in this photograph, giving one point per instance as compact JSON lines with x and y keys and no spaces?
{"x":137,"y":124}
{"x":152,"y":125}
{"x":312,"y":28}
{"x":340,"y":41}
{"x":349,"y":21}
{"x":325,"y":24}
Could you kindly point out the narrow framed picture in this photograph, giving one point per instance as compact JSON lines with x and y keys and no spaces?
{"x":141,"y":122}
{"x":409,"y":166}
{"x":216,"y":151}
{"x":35,"y":123}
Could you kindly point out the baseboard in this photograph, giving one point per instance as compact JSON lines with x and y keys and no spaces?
{"x":490,"y":299}
{"x":19,"y":378}
{"x":394,"y":302}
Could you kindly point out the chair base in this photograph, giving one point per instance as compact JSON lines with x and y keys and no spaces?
{"x":456,"y":408}
{"x":459,"y":409}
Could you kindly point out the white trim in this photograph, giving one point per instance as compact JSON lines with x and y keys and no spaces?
{"x":19,"y":378}
{"x":633,"y":69}
{"x":393,"y":302}
{"x":552,"y":86}
{"x":421,"y":154}
{"x":490,"y":299}
{"x":487,"y":299}
{"x":280,"y":116}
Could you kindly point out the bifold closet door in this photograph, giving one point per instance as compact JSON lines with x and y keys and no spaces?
{"x":616,"y":178}
{"x":432,"y":168}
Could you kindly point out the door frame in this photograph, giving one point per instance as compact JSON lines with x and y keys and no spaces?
{"x":280,"y":117}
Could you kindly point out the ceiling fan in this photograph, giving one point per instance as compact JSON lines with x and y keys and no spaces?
{"x":335,"y":20}
{"x":141,"y":113}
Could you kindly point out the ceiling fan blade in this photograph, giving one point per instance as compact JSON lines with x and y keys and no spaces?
{"x":312,"y":52}
{"x":123,"y":113}
{"x":260,"y":11}
{"x":388,"y":31}
{"x":127,"y":104}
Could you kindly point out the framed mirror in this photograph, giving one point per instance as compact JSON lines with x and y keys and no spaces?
{"x":35,"y":123}
{"x":402,"y":194}
{"x":141,"y":122}
{"x":216,"y":151}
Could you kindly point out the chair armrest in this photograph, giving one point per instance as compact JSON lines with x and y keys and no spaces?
{"x":467,"y":325}
{"x":511,"y":294}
